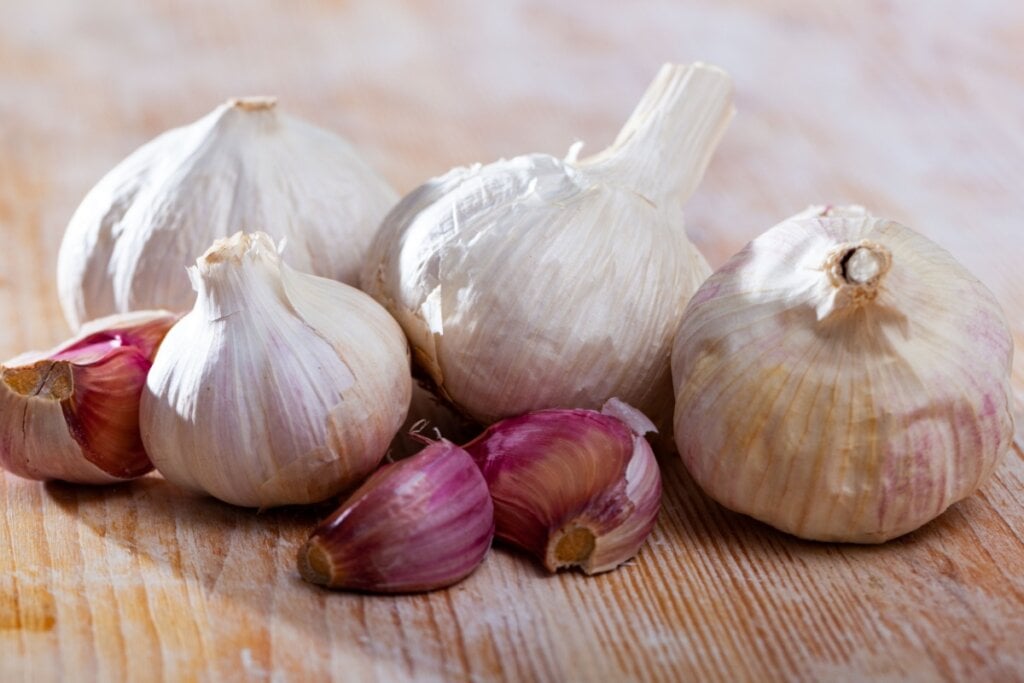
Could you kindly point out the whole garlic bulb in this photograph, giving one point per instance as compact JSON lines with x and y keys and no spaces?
{"x":842,"y":378}
{"x":278,"y":387}
{"x":244,"y":165}
{"x":539,"y":282}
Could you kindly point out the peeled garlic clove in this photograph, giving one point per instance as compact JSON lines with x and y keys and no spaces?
{"x":539,"y":282}
{"x":419,"y":524}
{"x":842,"y":378}
{"x":572,"y":487}
{"x":278,"y":387}
{"x":244,"y":165}
{"x":72,"y":413}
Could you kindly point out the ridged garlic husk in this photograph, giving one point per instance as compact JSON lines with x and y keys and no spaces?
{"x":539,"y":282}
{"x":416,"y":525}
{"x":572,"y":487}
{"x":842,"y":378}
{"x":279,"y":387}
{"x":72,"y":413}
{"x":244,"y":165}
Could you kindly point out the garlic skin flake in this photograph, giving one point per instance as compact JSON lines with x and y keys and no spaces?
{"x":417,"y":525}
{"x":539,"y":282}
{"x":842,"y":378}
{"x":72,"y":413}
{"x":278,"y":387}
{"x":572,"y":487}
{"x":244,"y":165}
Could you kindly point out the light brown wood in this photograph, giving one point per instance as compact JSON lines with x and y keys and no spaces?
{"x":913,"y":111}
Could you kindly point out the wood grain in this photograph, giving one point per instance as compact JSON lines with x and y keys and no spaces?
{"x":913,"y":112}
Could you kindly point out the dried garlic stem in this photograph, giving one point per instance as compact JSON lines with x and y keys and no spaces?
{"x":667,"y":142}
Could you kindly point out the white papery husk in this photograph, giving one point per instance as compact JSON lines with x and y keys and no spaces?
{"x":539,"y":282}
{"x":278,"y":387}
{"x":243,"y":166}
{"x":838,"y":411}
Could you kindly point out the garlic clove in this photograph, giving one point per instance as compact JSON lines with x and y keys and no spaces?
{"x":842,"y":378}
{"x":72,"y":413}
{"x":423,"y":523}
{"x":297,"y":383}
{"x":572,"y":487}
{"x":590,"y":319}
{"x":246,"y":164}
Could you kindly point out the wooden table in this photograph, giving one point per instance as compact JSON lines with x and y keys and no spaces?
{"x":914,"y":111}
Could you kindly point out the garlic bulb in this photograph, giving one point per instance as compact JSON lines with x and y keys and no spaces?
{"x":842,"y":378}
{"x":574,"y":488}
{"x":416,"y":525}
{"x":278,"y":387}
{"x":244,"y":165}
{"x":538,"y":282}
{"x":72,"y":413}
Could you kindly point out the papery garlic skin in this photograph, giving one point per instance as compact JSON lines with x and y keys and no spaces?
{"x":572,"y":487}
{"x":278,"y":387}
{"x":842,"y":378}
{"x":420,"y":524}
{"x":539,"y":282}
{"x":72,"y":413}
{"x":244,"y":165}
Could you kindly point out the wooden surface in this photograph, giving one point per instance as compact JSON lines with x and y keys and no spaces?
{"x":912,"y":110}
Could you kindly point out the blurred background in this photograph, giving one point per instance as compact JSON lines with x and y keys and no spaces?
{"x":915,"y":109}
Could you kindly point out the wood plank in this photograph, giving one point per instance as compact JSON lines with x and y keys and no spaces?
{"x":913,"y":112}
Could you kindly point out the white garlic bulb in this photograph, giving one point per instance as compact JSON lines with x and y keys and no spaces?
{"x":243,"y":166}
{"x":278,"y":387}
{"x":538,"y":282}
{"x":842,"y":378}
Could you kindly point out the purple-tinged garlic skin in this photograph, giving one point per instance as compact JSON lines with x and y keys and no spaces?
{"x":72,"y":413}
{"x":842,"y":378}
{"x":416,"y":525}
{"x":572,"y":487}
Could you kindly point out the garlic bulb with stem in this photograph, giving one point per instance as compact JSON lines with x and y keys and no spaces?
{"x":416,"y":525}
{"x":572,"y":487}
{"x":842,"y":378}
{"x":278,"y":387}
{"x":72,"y":413}
{"x":244,"y":164}
{"x":539,"y":282}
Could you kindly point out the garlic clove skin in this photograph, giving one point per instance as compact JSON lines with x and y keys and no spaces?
{"x":589,"y":319}
{"x":842,"y":378}
{"x":416,"y":525}
{"x":278,"y":387}
{"x":243,"y":165}
{"x":72,"y":413}
{"x":572,"y":487}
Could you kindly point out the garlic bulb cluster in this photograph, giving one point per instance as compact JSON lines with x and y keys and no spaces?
{"x":842,"y":378}
{"x":539,"y":282}
{"x":72,"y":413}
{"x":278,"y":387}
{"x":416,"y":525}
{"x":244,"y":165}
{"x":574,"y":488}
